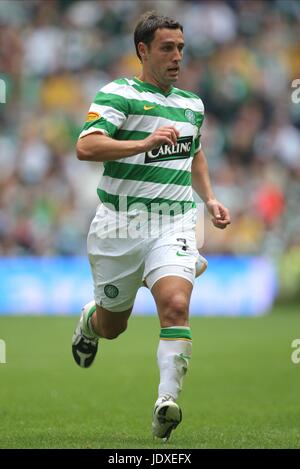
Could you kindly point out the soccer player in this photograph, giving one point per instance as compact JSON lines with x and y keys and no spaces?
{"x":146,"y":132}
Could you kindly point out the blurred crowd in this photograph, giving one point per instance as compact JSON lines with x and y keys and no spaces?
{"x":241,"y":57}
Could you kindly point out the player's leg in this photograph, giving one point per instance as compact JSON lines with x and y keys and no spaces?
{"x":107,"y":316}
{"x":172,"y":296}
{"x":95,"y":323}
{"x":170,"y":270}
{"x":117,"y":268}
{"x":109,"y":324}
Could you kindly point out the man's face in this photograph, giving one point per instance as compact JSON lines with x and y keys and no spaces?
{"x":162,"y":58}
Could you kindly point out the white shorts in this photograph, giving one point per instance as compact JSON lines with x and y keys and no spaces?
{"x":120,"y":263}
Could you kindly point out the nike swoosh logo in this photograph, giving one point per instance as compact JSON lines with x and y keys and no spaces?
{"x":147,"y":108}
{"x":178,"y":253}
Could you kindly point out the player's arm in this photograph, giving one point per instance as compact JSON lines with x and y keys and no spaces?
{"x":202,"y":185}
{"x":99,"y":147}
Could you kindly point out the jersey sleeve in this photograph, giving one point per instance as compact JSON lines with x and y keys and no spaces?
{"x":200,"y":119}
{"x":107,"y":113}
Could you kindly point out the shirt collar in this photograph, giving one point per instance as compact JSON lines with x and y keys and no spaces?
{"x":150,"y":87}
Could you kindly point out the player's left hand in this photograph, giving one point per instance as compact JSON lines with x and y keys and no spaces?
{"x":220,"y":214}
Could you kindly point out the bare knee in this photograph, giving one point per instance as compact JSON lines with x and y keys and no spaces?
{"x":174,"y":310}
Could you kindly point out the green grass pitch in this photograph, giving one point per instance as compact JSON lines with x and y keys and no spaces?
{"x":241,"y":391}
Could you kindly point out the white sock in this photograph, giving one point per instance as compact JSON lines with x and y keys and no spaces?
{"x":91,"y":329}
{"x":88,"y":329}
{"x":173,"y":355}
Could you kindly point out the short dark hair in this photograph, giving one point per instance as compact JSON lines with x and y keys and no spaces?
{"x":148,"y":24}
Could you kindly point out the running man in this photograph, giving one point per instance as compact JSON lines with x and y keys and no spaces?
{"x":146,"y":132}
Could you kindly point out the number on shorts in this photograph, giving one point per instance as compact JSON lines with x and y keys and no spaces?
{"x":184,"y":247}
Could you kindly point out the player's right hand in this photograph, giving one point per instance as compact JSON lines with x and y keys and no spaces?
{"x":163,"y":135}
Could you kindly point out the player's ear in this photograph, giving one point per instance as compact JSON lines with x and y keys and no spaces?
{"x":142,"y":48}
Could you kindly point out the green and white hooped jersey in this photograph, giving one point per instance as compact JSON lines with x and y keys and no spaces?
{"x":129,"y":109}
